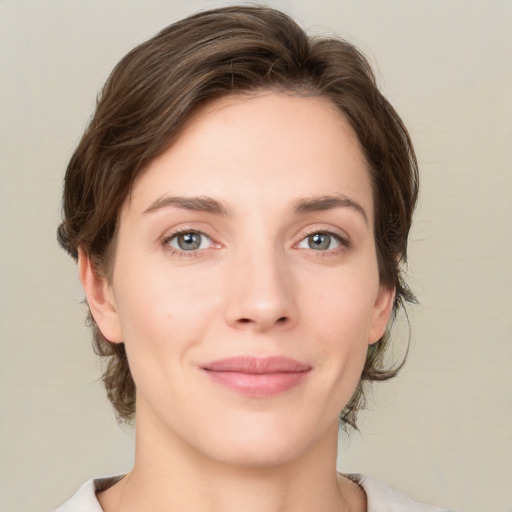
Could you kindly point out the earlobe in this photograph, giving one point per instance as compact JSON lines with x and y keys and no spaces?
{"x":100,"y":299}
{"x":381,"y":312}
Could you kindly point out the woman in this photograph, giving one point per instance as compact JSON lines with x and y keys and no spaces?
{"x":239,"y":208}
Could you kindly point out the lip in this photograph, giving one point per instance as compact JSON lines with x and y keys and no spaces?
{"x":258,"y":377}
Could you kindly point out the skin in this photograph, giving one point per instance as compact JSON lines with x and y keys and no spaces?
{"x":257,"y":285}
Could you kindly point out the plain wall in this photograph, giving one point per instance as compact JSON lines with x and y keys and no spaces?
{"x":442,"y":431}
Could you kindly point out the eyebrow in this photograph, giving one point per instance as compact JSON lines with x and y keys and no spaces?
{"x":210,"y":205}
{"x":314,"y":204}
{"x":199,"y":204}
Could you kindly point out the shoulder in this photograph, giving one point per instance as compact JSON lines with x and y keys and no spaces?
{"x":383,"y":498}
{"x":84,"y":500}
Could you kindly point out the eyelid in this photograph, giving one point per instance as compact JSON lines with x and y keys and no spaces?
{"x":343,"y":242}
{"x":189,"y":227}
{"x":203,"y":237}
{"x":173,"y":233}
{"x":338,"y":233}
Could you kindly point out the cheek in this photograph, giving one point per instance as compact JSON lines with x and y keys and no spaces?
{"x":340,"y":318}
{"x":162,"y":311}
{"x":344,"y":306}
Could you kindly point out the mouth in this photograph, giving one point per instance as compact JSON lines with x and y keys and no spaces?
{"x":258,"y":377}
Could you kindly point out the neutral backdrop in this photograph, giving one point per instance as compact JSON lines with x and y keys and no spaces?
{"x":442,"y":431}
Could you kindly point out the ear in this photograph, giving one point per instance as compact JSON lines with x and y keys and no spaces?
{"x":381,"y":313}
{"x":100,"y":299}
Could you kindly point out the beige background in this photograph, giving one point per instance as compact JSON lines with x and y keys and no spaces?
{"x":443,"y":430}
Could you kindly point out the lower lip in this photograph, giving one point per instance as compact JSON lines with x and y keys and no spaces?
{"x":258,"y":385}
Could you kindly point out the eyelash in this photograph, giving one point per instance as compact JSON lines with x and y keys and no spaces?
{"x":182,"y":253}
{"x":344,"y":244}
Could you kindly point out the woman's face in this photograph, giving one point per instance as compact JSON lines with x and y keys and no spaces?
{"x":245,"y":283}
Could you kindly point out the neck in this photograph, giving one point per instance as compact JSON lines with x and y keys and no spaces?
{"x":170,"y":475}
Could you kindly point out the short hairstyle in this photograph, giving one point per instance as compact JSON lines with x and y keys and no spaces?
{"x":239,"y":50}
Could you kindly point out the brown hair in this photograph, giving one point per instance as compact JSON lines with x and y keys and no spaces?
{"x":232,"y":50}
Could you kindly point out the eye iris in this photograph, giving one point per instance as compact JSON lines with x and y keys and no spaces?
{"x":319,"y":241}
{"x":189,"y":241}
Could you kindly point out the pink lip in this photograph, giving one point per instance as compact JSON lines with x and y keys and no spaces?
{"x":258,"y":376}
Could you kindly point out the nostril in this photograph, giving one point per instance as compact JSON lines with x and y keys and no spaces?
{"x":280,"y":320}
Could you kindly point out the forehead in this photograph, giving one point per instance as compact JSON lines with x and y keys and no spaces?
{"x":261,"y":147}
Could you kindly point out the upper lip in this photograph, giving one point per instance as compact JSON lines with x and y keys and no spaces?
{"x":257,"y":365}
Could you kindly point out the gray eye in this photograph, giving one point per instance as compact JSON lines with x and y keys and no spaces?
{"x":190,"y":241}
{"x":320,"y":242}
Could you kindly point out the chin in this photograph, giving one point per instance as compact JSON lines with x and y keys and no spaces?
{"x":258,"y":454}
{"x":265,"y":442}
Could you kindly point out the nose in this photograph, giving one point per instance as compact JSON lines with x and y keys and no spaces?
{"x":261,"y":292}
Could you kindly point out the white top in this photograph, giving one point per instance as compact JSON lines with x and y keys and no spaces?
{"x":380,"y":497}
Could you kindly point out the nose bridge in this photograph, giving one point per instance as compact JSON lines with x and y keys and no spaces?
{"x":261,"y":292}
